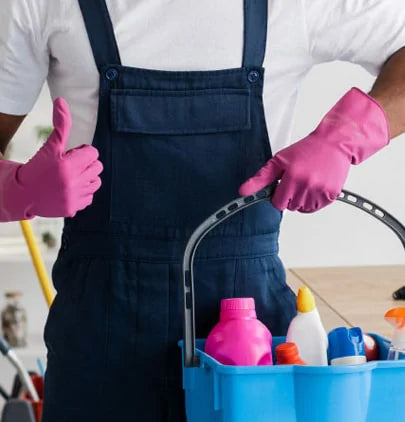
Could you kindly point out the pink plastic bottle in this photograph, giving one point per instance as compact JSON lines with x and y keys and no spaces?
{"x":240,"y":338}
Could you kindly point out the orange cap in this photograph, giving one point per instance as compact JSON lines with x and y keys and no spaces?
{"x":396,"y":317}
{"x":287,"y":354}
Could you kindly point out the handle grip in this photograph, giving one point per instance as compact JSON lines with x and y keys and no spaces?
{"x":190,"y":357}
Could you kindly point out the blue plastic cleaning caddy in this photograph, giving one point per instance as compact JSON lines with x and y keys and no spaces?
{"x":372,"y":392}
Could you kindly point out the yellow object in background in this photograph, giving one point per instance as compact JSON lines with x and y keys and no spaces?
{"x":38,"y":261}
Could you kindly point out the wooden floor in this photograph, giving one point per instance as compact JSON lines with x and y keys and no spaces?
{"x":352,"y":296}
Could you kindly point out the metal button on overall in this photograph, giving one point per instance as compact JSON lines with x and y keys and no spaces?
{"x":253,"y":76}
{"x":111,"y":74}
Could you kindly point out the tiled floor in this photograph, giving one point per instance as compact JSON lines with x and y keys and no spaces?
{"x":352,"y":296}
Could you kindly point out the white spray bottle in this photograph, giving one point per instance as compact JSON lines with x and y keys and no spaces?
{"x":307,"y":332}
{"x":396,"y":317}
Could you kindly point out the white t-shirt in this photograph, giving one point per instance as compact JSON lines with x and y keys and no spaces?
{"x":46,"y":39}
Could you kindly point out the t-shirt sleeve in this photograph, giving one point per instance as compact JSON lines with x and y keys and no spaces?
{"x":24,"y":59}
{"x":363,"y":32}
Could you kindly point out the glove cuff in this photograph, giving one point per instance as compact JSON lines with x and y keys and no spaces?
{"x":14,"y":203}
{"x":360,"y":124}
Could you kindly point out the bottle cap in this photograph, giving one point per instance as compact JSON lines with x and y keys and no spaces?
{"x":287,"y":354}
{"x":237,"y":308}
{"x":305,"y":300}
{"x":344,"y":342}
{"x":238,"y":304}
{"x":396,"y":317}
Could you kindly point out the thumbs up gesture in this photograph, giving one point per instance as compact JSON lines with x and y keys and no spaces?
{"x":55,"y":182}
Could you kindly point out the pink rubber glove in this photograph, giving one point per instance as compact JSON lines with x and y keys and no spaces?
{"x":312,"y":172}
{"x":54,"y":183}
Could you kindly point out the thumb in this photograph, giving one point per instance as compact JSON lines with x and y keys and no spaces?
{"x":62,"y":123}
{"x":263,"y":178}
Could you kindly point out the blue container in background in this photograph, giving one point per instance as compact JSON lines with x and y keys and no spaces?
{"x":371,"y":392}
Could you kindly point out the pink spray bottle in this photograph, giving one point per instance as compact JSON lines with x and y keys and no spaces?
{"x":240,"y":338}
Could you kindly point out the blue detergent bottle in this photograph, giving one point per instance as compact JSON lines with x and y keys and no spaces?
{"x":346,"y":346}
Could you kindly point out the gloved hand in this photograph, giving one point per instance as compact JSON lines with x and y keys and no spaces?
{"x":312,"y":172}
{"x":54,"y":183}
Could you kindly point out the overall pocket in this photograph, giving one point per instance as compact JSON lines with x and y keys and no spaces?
{"x":161,"y":112}
{"x":176,"y":155}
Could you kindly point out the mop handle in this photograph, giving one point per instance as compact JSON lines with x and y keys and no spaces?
{"x":190,"y":357}
{"x":37,"y":261}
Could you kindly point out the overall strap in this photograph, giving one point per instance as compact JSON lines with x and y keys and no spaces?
{"x":255,"y":32}
{"x":100,"y":32}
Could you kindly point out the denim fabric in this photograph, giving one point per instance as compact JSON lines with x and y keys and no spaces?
{"x":175,"y":147}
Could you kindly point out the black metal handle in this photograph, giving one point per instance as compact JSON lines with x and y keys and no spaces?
{"x":190,"y":356}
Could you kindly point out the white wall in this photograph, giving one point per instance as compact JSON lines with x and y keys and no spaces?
{"x":338,"y":235}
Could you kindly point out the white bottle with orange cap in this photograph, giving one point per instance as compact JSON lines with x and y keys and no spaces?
{"x":307,"y":332}
{"x":396,"y":317}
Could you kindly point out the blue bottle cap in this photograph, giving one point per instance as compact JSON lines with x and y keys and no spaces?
{"x":344,"y":342}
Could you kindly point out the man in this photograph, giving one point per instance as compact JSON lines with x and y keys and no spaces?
{"x":183,"y":103}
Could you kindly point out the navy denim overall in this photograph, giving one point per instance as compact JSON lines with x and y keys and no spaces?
{"x":175,"y":147}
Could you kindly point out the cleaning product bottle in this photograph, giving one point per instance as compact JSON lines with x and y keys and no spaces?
{"x":240,"y":338}
{"x":396,"y":317}
{"x":371,"y":346}
{"x":307,"y":332}
{"x":346,"y":346}
{"x":287,"y":354}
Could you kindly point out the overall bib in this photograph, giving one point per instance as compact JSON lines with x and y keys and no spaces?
{"x":175,"y":147}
